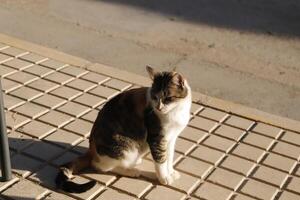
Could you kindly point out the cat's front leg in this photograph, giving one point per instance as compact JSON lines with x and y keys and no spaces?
{"x":170,"y":159}
{"x":159,"y":150}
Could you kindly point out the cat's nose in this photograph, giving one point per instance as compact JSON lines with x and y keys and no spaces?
{"x":159,"y":106}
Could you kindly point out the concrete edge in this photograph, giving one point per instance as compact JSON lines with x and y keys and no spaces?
{"x":237,"y":109}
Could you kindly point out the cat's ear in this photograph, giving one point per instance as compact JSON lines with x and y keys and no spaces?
{"x":179,"y":80}
{"x":151,"y":72}
{"x":174,"y":69}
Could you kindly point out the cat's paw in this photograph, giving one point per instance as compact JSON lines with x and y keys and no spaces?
{"x":166,"y":180}
{"x":133,"y":173}
{"x":175,"y":174}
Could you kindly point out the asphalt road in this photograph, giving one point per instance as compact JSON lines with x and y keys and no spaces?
{"x":243,"y":51}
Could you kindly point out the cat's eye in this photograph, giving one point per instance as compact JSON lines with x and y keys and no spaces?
{"x":168,"y":99}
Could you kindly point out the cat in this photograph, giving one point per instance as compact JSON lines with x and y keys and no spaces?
{"x":129,"y":126}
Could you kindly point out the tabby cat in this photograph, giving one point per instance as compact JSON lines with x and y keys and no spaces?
{"x":131,"y":124}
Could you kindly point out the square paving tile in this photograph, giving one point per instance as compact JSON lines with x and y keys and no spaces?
{"x":42,"y":150}
{"x":31,"y":110}
{"x":58,"y":196}
{"x":66,"y":92}
{"x":8,"y":85}
{"x":288,"y":196}
{"x":105,"y":92}
{"x":43,"y":85}
{"x":50,"y":101}
{"x":59,"y":78}
{"x":82,"y":147}
{"x":258,"y":140}
{"x":11,"y":102}
{"x":294,"y":185}
{"x":22,"y":77}
{"x":38,"y":70}
{"x":53,"y":64}
{"x":213,"y":192}
{"x":18,"y":64}
{"x":104,"y":178}
{"x":34,"y":58}
{"x":270,"y":175}
{"x":25,"y":190}
{"x":213,"y":114}
{"x":219,"y":143}
{"x":229,"y":132}
{"x":91,"y":116}
{"x":4,"y":185}
{"x":267,"y":130}
{"x":202,"y":123}
{"x":5,"y":71}
{"x":36,"y":129}
{"x":259,"y":190}
{"x":279,"y":162}
{"x":184,"y":146}
{"x":81,"y":84}
{"x":114,"y":195}
{"x":193,"y":134}
{"x":117,"y":84}
{"x":133,"y":186}
{"x":286,"y":149}
{"x":89,"y":100}
{"x":24,"y":165}
{"x":63,"y":138}
{"x":13,"y":51}
{"x":195,"y":167}
{"x":74,"y":71}
{"x":15,"y":120}
{"x":56,"y":118}
{"x":26,"y":93}
{"x":18,"y":141}
{"x":249,"y":152}
{"x":186,"y":183}
{"x":94,"y":77}
{"x":80,"y":127}
{"x":4,"y":58}
{"x":291,"y":137}
{"x":196,"y":108}
{"x":238,"y":165}
{"x":74,"y":109}
{"x":208,"y":154}
{"x":161,"y":192}
{"x":239,"y":122}
{"x":226,"y":178}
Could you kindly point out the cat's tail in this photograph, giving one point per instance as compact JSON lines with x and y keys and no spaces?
{"x":63,"y":181}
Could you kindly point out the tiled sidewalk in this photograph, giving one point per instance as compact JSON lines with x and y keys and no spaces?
{"x":51,"y":105}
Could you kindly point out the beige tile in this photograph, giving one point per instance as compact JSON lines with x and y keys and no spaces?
{"x":22,"y":77}
{"x":91,"y":116}
{"x":104,"y":178}
{"x":134,"y":186}
{"x":267,"y":130}
{"x":259,"y":190}
{"x":58,"y":196}
{"x":8,"y":85}
{"x":242,"y":197}
{"x":294,"y":184}
{"x":203,"y":124}
{"x":5,"y":71}
{"x":194,"y":166}
{"x":34,"y":58}
{"x":31,"y":110}
{"x":89,"y":100}
{"x":196,"y":108}
{"x":114,"y":195}
{"x":186,"y":183}
{"x":82,"y":147}
{"x":226,"y":178}
{"x":43,"y":85}
{"x":239,"y":122}
{"x":238,"y":165}
{"x":90,"y":194}
{"x":24,"y":165}
{"x":117,"y":84}
{"x":94,"y":77}
{"x":4,"y":185}
{"x":18,"y":141}
{"x":213,"y":192}
{"x":56,"y":118}
{"x":53,"y":64}
{"x":63,"y":138}
{"x":184,"y":146}
{"x":18,"y":64}
{"x":65,"y":158}
{"x":270,"y":175}
{"x":279,"y":162}
{"x":81,"y":84}
{"x":286,"y":149}
{"x":291,"y":137}
{"x":213,"y":114}
{"x":80,"y":127}
{"x":42,"y":150}
{"x":4,"y":58}
{"x":193,"y":134}
{"x":74,"y":71}
{"x":13,"y":51}
{"x":59,"y":78}
{"x":11,"y":102}
{"x":229,"y":132}
{"x":15,"y":120}
{"x":219,"y":143}
{"x":161,"y":192}
{"x":66,"y":92}
{"x":49,"y":101}
{"x":104,"y":92}
{"x":38,"y":70}
{"x":289,"y":196}
{"x":258,"y":140}
{"x":25,"y":190}
{"x":45,"y":176}
{"x":249,"y":152}
{"x":36,"y":129}
{"x":207,"y":154}
{"x":26,"y":93}
{"x":74,"y":109}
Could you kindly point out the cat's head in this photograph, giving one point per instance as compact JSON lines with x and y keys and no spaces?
{"x":167,"y":90}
